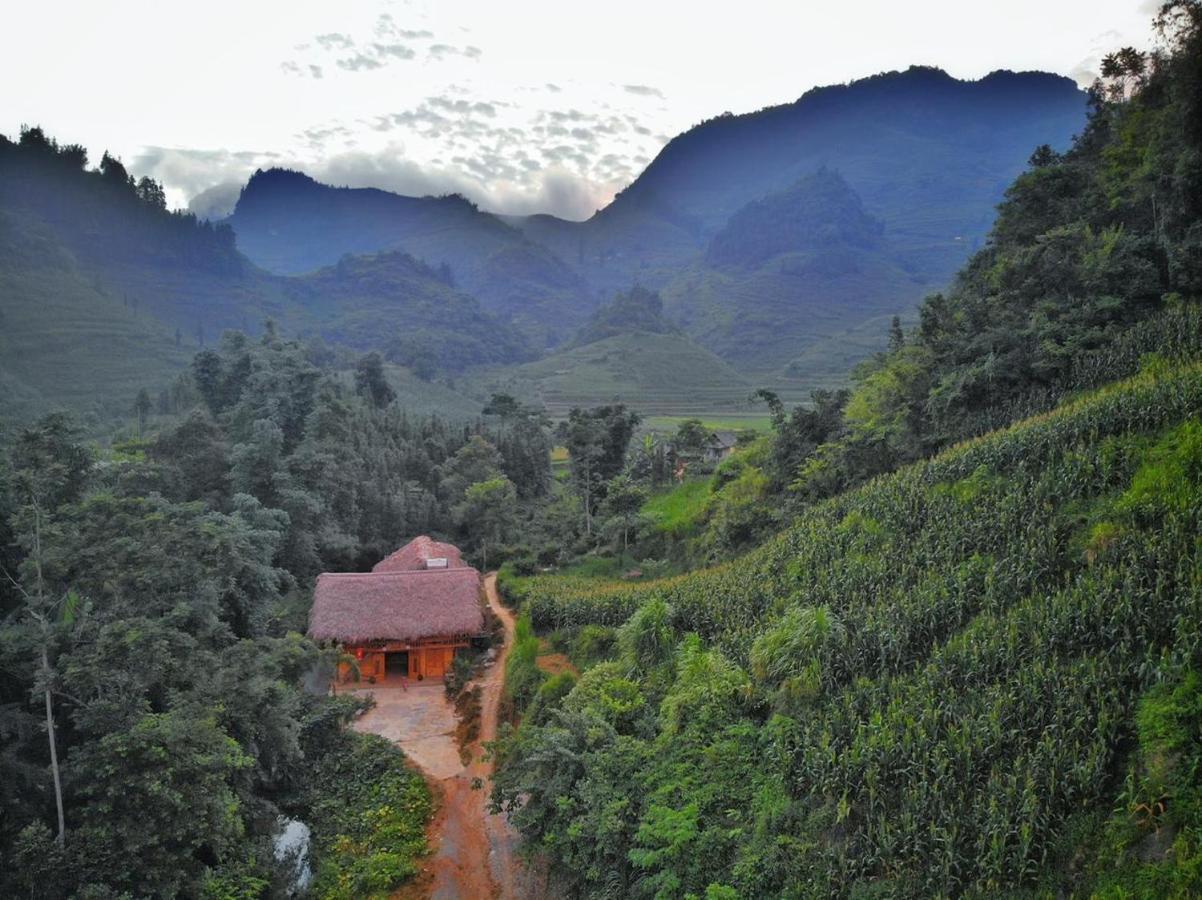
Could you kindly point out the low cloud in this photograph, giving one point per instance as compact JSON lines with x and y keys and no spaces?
{"x":643,"y":90}
{"x":524,"y":189}
{"x":216,"y":202}
{"x":190,"y":174}
{"x":567,"y":162}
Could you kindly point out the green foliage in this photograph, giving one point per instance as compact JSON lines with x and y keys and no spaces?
{"x":679,"y":511}
{"x":637,"y":310}
{"x":523,"y":677}
{"x":368,"y":812}
{"x":1152,"y":844}
{"x":550,"y":694}
{"x":161,"y":794}
{"x":957,"y":677}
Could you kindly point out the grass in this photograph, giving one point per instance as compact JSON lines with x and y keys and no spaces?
{"x":654,"y":374}
{"x":679,"y":511}
{"x":719,"y":422}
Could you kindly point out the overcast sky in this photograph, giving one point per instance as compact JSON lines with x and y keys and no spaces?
{"x":522,"y":105}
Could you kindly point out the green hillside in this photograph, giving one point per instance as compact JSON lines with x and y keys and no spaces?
{"x":760,"y":319}
{"x":67,"y":338}
{"x":655,"y":374}
{"x":394,"y":303}
{"x":935,"y":683}
{"x":631,"y":311}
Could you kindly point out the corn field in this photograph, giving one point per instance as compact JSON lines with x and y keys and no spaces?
{"x":997,"y":611}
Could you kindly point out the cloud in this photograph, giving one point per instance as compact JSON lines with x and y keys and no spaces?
{"x":334,"y":41}
{"x":643,"y":90}
{"x":216,"y":202}
{"x":555,"y":190}
{"x":442,"y":51}
{"x":386,"y":27}
{"x":189,"y":173}
{"x":358,"y":63}
{"x":396,"y":51}
{"x":503,"y":156}
{"x":391,"y":44}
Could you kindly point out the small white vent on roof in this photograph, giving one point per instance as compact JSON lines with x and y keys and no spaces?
{"x":436,"y":562}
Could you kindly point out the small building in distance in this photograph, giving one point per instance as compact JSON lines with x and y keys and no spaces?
{"x":720,"y":445}
{"x":407,"y":617}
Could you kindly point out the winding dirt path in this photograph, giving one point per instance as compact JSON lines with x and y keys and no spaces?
{"x":475,"y":853}
{"x":475,"y":850}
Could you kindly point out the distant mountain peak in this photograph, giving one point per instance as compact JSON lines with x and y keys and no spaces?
{"x":819,"y":211}
{"x":630,"y":312}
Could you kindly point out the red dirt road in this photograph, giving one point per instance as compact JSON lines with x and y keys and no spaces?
{"x":474,"y":852}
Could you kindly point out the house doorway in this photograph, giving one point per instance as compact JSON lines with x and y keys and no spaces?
{"x":396,"y":665}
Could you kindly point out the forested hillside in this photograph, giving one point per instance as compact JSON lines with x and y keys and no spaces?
{"x":152,"y":600}
{"x":969,"y":664}
{"x":105,"y":293}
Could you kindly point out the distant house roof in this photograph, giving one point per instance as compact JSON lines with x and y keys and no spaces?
{"x":723,"y":439}
{"x":415,"y":554}
{"x":407,"y":596}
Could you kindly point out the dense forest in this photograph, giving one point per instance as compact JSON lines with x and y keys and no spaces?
{"x":152,"y":597}
{"x":969,"y":665}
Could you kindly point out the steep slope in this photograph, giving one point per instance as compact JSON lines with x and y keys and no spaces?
{"x":927,"y":686}
{"x":289,"y":223}
{"x":928,"y":155}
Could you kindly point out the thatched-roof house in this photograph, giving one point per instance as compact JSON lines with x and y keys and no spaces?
{"x":406,"y":617}
{"x":421,"y":553}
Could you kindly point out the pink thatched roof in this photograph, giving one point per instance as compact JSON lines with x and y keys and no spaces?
{"x":355,"y":608}
{"x":414,"y":555}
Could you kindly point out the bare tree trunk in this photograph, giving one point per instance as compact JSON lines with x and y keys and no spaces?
{"x":41,"y":592}
{"x":58,"y":781}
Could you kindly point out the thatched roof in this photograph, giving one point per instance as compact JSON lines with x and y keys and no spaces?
{"x":414,"y":555}
{"x":354,"y":608}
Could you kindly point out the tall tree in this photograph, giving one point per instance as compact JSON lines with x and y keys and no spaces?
{"x":487,"y":512}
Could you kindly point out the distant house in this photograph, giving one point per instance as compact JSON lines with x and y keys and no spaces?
{"x":407,"y":617}
{"x":719,"y":446}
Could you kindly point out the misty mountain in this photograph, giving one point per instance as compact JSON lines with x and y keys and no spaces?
{"x":290,"y":224}
{"x":772,"y":233}
{"x":925,"y":155}
{"x":104,"y":292}
{"x":820,"y":212}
